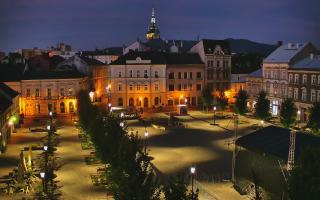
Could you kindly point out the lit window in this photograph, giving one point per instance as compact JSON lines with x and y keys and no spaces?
{"x":70,"y":92}
{"x":145,"y":87}
{"x":156,"y":87}
{"x":28,"y":92}
{"x":303,"y":94}
{"x":296,"y":78}
{"x":296,"y":94}
{"x":37,"y":92}
{"x":130,"y":87}
{"x":290,"y":78}
{"x":61,"y":91}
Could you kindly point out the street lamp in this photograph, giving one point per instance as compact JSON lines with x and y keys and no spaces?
{"x":185,"y":100}
{"x":91,"y":94}
{"x":122,"y":115}
{"x":214,"y":115}
{"x":48,"y":127}
{"x":299,"y":117}
{"x":146,"y":134}
{"x":42,"y":176}
{"x":45,"y":147}
{"x":50,"y":113}
{"x":262,"y":123}
{"x":122,"y":124}
{"x":193,"y":171}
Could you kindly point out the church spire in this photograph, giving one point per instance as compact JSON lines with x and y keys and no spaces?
{"x":153,"y":32}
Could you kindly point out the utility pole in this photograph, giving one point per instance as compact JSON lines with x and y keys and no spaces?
{"x":235,"y":116}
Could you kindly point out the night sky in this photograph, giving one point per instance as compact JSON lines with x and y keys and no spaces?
{"x":89,"y":24}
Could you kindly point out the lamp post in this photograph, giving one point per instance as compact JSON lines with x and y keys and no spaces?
{"x":192,"y":171}
{"x":262,"y":123}
{"x":42,"y":176}
{"x":146,"y":134}
{"x":299,"y":117}
{"x":214,"y":115}
{"x":91,"y":94}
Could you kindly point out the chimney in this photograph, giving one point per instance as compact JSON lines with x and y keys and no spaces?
{"x":311,"y":56}
{"x":279,"y":43}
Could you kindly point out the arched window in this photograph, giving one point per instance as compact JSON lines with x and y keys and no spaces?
{"x":71,"y":107}
{"x":156,"y":101}
{"x":131,"y":102}
{"x":145,"y":102}
{"x":62,"y":107}
{"x":120,"y":101}
{"x":170,"y":102}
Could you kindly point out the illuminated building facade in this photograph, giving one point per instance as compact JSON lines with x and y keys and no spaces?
{"x":54,"y":91}
{"x":153,"y":79}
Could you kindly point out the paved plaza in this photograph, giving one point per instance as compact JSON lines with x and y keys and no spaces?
{"x":197,"y":142}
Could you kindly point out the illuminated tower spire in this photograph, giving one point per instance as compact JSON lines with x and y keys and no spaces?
{"x":153,"y":32}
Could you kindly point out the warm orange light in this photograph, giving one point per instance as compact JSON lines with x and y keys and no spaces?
{"x":227,"y":93}
{"x":181,"y":96}
{"x":140,"y":98}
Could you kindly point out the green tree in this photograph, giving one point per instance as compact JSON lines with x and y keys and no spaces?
{"x":222,"y":100}
{"x":262,"y":108}
{"x":177,"y":189}
{"x":304,"y":180}
{"x":241,"y":101}
{"x":288,"y":113}
{"x":206,"y":97}
{"x":84,"y":108}
{"x":314,"y":118}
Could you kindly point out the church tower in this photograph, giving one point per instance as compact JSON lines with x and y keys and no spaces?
{"x":153,"y":32}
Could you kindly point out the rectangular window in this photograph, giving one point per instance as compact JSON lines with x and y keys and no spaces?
{"x":185,"y":87}
{"x":70,"y":92}
{"x":198,"y":87}
{"x":179,"y":75}
{"x":119,"y":74}
{"x":37,"y":92}
{"x":171,"y":75}
{"x":304,"y":79}
{"x":296,"y":94}
{"x":49,"y":93}
{"x":156,"y":87}
{"x":130,"y":73}
{"x":130,"y":87}
{"x":171,"y":87}
{"x":28,"y":92}
{"x":190,"y":75}
{"x":138,"y":86}
{"x":296,"y":78}
{"x":290,"y":92}
{"x":146,"y":73}
{"x":120,"y":87}
{"x":138,"y":74}
{"x":313,"y":79}
{"x":290,"y":78}
{"x":145,"y":87}
{"x":190,"y":87}
{"x":156,"y":74}
{"x":313,"y":96}
{"x":185,"y":75}
{"x":179,"y":87}
{"x":62,"y":92}
{"x":198,"y":74}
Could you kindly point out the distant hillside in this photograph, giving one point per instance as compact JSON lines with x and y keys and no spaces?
{"x":247,"y":46}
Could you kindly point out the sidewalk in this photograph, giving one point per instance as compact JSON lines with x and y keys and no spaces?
{"x":74,"y":175}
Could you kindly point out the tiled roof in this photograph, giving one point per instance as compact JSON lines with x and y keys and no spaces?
{"x":257,"y":73}
{"x":210,"y":45}
{"x":285,"y":53}
{"x":275,"y":141}
{"x":308,"y":63}
{"x":31,"y":75}
{"x":160,"y":58}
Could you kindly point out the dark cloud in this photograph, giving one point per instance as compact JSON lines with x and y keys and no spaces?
{"x":98,"y":23}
